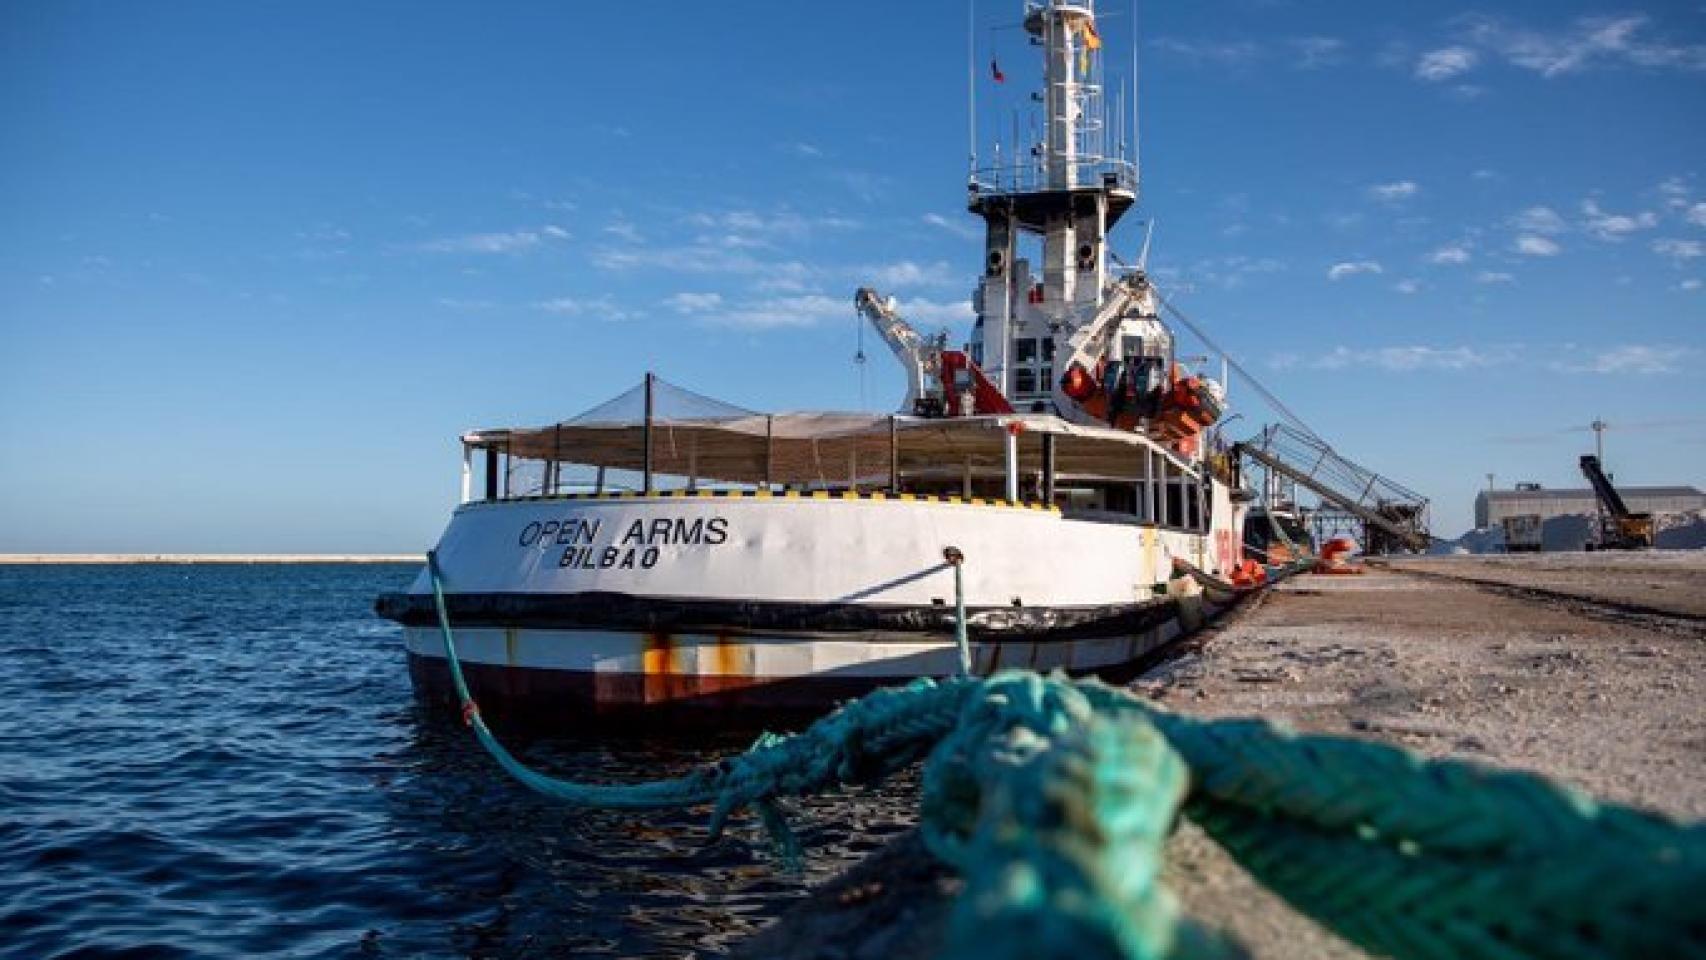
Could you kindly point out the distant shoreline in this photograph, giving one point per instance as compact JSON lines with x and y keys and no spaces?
{"x":21,"y":559}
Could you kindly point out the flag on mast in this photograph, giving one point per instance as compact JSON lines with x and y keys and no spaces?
{"x":995,"y":70}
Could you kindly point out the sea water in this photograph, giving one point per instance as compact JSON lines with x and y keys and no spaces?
{"x":211,"y":760}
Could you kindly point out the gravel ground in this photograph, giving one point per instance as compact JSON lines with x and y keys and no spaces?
{"x":1580,"y":689}
{"x":1669,"y":581}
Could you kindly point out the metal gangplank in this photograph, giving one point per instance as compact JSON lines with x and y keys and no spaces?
{"x":1393,"y":515}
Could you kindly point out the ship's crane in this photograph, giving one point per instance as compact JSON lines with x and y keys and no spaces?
{"x":1619,"y":529}
{"x":920,"y":358}
{"x":939,"y":381}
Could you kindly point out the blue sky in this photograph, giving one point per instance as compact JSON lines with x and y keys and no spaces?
{"x":260,"y":263}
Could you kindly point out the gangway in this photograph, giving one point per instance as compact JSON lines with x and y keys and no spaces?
{"x":1393,"y":515}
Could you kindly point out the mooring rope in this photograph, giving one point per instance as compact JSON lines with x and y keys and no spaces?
{"x":1054,"y":797}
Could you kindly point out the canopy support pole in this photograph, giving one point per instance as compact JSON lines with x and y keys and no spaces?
{"x":894,"y":454}
{"x":1011,"y":449}
{"x":554,"y":472}
{"x":769,"y":451}
{"x":1048,"y":468}
{"x":646,"y":437}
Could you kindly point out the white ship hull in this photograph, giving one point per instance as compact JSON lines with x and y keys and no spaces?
{"x":573,"y":604}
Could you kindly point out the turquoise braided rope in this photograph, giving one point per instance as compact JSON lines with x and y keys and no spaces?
{"x":1054,"y":797}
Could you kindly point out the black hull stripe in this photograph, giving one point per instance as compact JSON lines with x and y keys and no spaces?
{"x":620,"y":611}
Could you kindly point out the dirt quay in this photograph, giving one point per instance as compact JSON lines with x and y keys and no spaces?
{"x":1579,"y":689}
{"x":1665,"y":582}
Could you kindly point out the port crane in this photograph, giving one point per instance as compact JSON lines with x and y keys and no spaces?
{"x":1619,"y":529}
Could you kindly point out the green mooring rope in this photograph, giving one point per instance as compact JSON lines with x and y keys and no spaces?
{"x":1054,"y":798}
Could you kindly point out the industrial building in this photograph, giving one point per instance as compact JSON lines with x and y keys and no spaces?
{"x":1491,"y":507}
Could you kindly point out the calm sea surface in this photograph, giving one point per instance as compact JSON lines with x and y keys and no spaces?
{"x":222,"y":761}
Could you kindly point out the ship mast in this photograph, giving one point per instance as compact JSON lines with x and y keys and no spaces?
{"x":1067,"y":188}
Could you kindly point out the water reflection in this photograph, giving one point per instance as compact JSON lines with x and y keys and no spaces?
{"x":560,"y":881}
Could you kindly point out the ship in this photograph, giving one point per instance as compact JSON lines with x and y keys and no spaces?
{"x":1058,"y":476}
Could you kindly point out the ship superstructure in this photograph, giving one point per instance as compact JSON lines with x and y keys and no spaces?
{"x":1058,"y":476}
{"x":1065,"y":335}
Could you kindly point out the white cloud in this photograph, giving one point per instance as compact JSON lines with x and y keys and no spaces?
{"x":1308,"y":52}
{"x":1673,"y":188}
{"x":780,"y":224}
{"x":908,"y":273}
{"x":1613,"y":226}
{"x":1407,"y":286}
{"x":1229,"y":272}
{"x":798,"y":310}
{"x":1543,"y":220}
{"x":959,"y":228}
{"x":624,"y":231}
{"x":1697,"y":214}
{"x":705,"y":255}
{"x":1589,"y":42}
{"x":1392,"y":192}
{"x":1530,"y":245}
{"x":1351,"y":268}
{"x":1443,"y":64}
{"x":1315,"y":52}
{"x":782,"y":284}
{"x":1630,"y":358}
{"x":1568,"y":358}
{"x":513,"y":241}
{"x":803,"y":149}
{"x":1452,"y":253}
{"x":597,"y":308}
{"x":693,"y":302}
{"x":1494,"y":276}
{"x":805,"y":310}
{"x":1230,"y":54}
{"x":554,"y":232}
{"x":867,"y":186}
{"x":1679,"y":250}
{"x":1691,"y":284}
{"x":1407,"y":358}
{"x":1344,"y":222}
{"x":936,"y":313}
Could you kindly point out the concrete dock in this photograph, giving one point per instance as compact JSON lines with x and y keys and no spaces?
{"x":1587,"y":668}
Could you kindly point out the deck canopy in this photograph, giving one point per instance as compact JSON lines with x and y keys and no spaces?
{"x":704,"y":442}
